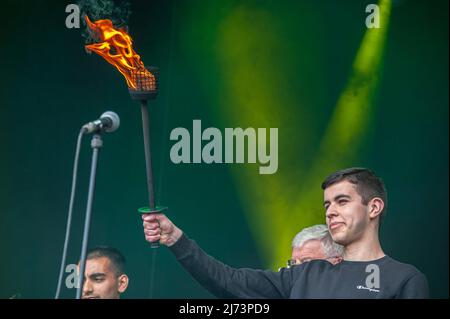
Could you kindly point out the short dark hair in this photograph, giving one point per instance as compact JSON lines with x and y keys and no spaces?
{"x":368,"y":185}
{"x":114,"y":255}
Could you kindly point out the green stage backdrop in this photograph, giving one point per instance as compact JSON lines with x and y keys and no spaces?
{"x":339,"y":93}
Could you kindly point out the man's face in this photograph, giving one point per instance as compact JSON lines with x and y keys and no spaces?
{"x":310,"y":250}
{"x":347,"y":217}
{"x":101,"y":281}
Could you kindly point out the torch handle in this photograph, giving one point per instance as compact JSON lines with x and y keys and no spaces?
{"x":148,"y":159}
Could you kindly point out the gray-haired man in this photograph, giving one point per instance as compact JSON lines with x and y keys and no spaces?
{"x":313,"y":243}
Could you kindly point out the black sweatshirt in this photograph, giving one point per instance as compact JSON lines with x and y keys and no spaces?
{"x":314,"y":279}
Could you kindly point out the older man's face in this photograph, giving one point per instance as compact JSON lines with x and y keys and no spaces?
{"x":310,"y":250}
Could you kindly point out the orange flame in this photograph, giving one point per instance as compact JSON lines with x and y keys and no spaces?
{"x":122,"y":55}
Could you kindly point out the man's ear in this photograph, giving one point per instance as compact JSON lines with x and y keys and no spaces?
{"x":376,"y":206}
{"x":123,"y":283}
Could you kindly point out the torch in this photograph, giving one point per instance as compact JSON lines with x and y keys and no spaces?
{"x":115,"y":46}
{"x":146,"y":81}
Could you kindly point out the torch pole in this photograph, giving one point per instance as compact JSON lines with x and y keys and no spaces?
{"x":148,"y":160}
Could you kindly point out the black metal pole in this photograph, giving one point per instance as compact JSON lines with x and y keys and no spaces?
{"x":148,"y":160}
{"x":96,"y":144}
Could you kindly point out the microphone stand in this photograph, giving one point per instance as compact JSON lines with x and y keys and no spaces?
{"x":96,"y":144}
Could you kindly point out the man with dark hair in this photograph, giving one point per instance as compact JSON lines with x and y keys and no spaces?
{"x":367,"y":184}
{"x":105,"y":276}
{"x":354,"y":200}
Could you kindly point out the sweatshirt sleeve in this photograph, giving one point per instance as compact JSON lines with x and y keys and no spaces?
{"x":226,"y":282}
{"x":416,"y":287}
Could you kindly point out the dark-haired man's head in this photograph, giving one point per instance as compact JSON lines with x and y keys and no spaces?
{"x":105,"y":276}
{"x":355,"y":200}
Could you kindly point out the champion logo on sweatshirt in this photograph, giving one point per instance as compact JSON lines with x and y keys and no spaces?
{"x":367,"y":288}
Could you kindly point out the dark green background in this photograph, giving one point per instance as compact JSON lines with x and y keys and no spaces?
{"x":50,"y":86}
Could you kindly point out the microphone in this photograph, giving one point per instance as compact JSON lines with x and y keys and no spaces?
{"x":108,"y":122}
